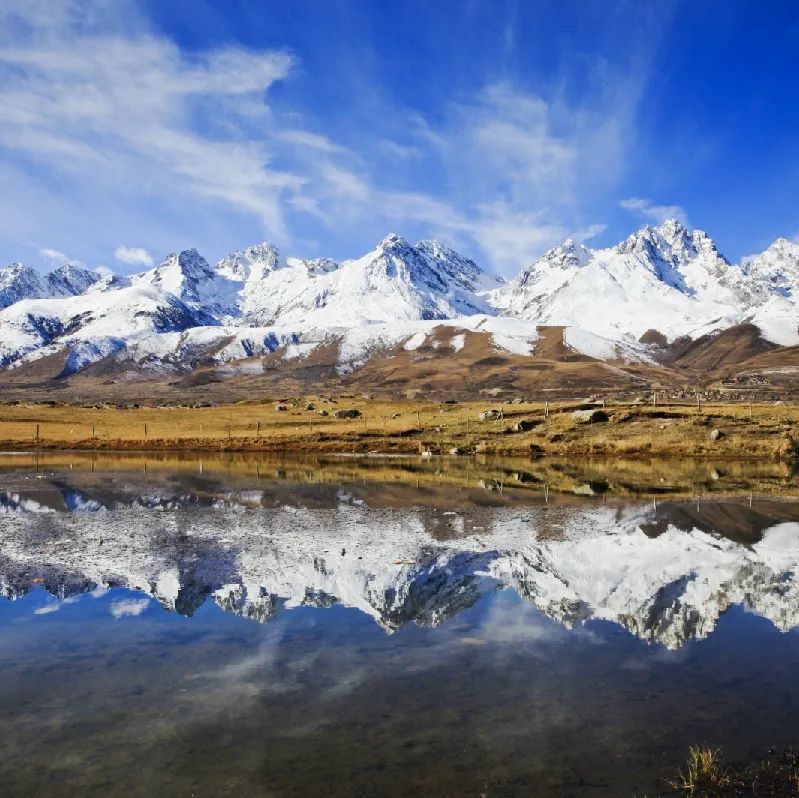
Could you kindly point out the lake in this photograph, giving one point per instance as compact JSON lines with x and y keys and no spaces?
{"x":338,"y":626}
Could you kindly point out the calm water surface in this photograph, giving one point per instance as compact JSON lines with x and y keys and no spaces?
{"x":332,"y":627}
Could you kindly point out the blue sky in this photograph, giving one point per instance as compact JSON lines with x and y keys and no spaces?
{"x":132,"y":129}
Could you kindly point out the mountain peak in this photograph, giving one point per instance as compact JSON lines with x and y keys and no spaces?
{"x":252,"y":263}
{"x":777,"y":267}
{"x":18,"y":281}
{"x":393,"y":242}
{"x":70,"y":279}
{"x":783,"y":245}
{"x":672,"y":227}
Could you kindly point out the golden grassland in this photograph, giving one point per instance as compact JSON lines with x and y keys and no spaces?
{"x":764,"y":431}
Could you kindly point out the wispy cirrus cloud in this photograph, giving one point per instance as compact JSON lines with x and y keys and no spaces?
{"x":129,"y":112}
{"x":137,"y":131}
{"x":652,"y":211}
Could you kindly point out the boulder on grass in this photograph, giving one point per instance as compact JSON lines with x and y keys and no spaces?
{"x":592,"y":416}
{"x":281,"y":407}
{"x":347,"y":413}
{"x":716,"y":434}
{"x":523,"y":425}
{"x":491,"y":415}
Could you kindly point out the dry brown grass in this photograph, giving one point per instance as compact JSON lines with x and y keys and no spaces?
{"x":705,"y":771}
{"x":708,"y":775}
{"x":409,"y":427}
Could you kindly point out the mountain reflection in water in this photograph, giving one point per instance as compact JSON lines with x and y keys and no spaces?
{"x":415,"y":551}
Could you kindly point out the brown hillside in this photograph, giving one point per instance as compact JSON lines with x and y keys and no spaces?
{"x":713,"y":353}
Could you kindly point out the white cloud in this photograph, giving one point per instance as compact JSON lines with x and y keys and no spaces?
{"x":70,"y":103}
{"x":515,"y":167}
{"x":55,"y":606}
{"x":133,"y":256}
{"x":128,"y":608}
{"x":656,"y":213}
{"x":503,"y":172}
{"x":54,"y":256}
{"x":47,"y":609}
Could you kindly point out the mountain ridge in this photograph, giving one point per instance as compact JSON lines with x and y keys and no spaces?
{"x":626,"y":303}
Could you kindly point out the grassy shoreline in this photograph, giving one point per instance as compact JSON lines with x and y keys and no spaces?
{"x":309,"y":424}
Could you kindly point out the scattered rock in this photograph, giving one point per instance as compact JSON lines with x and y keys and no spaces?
{"x":593,"y":416}
{"x":347,"y":413}
{"x":716,"y":434}
{"x":310,"y":406}
{"x":490,"y":415}
{"x":281,"y":407}
{"x":322,"y":413}
{"x":524,"y":425}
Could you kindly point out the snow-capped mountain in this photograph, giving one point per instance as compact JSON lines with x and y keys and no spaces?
{"x":254,"y":302}
{"x":777,"y":268}
{"x":664,"y":278}
{"x":574,"y":564}
{"x":187,"y":276}
{"x":393,"y":282}
{"x":89,"y":326}
{"x":18,"y":282}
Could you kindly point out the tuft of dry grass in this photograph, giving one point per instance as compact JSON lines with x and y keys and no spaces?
{"x":708,"y":775}
{"x":704,"y":772}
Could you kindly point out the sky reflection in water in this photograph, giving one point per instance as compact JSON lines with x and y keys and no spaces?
{"x":566,"y":649}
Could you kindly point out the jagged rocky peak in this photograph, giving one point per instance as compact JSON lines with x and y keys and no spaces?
{"x":777,"y":266}
{"x":459,"y":269}
{"x":178,"y":274}
{"x":429,"y":263}
{"x":252,"y":263}
{"x":188,"y":263}
{"x":567,"y":255}
{"x":562,"y":258}
{"x":18,"y":281}
{"x":671,"y":241}
{"x":394,"y":258}
{"x":70,"y":280}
